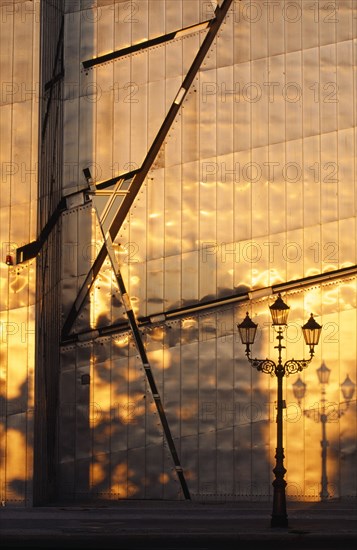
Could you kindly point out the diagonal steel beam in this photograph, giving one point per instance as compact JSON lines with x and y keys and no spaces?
{"x":139,"y":177}
{"x":90,"y":63}
{"x":139,"y":342}
{"x":217,"y":304}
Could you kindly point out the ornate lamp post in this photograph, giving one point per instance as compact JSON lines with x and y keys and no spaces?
{"x":323,"y":415}
{"x":311,"y":331}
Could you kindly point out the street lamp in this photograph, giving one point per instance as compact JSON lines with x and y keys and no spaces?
{"x":323,"y":415}
{"x":311,"y":331}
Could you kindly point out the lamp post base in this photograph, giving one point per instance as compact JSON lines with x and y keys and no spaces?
{"x":279,"y":517}
{"x":279,"y":521}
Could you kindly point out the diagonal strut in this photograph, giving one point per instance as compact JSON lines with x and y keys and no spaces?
{"x":139,"y":343}
{"x":141,"y":174}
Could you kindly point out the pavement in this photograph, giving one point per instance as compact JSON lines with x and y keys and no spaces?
{"x":180,"y":525}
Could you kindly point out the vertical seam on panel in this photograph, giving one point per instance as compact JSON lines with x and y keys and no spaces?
{"x":110,"y":415}
{"x":75,"y":458}
{"x":179,"y":324}
{"x":250,"y":135}
{"x":164,"y":286}
{"x":93,"y":147}
{"x":303,"y":169}
{"x":32,"y":107}
{"x":92,"y":397}
{"x":251,"y":62}
{"x":319,"y":123}
{"x":8,"y":276}
{"x":302,"y":60}
{"x":127,"y":427}
{"x":286,"y":133}
{"x":218,"y":258}
{"x":215,"y":481}
{"x":339,"y":466}
{"x":268,"y":135}
{"x":352,"y":8}
{"x":337,"y":122}
{"x":198,"y":487}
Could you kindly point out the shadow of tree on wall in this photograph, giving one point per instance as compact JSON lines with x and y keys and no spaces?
{"x":111,"y":441}
{"x":17,"y":442}
{"x":216,"y":406}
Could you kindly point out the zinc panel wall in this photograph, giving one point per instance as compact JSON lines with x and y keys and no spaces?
{"x":19,"y":103}
{"x":254,"y":186}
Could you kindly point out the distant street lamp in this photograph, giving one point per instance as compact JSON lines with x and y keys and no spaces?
{"x":323,"y":415}
{"x":311,"y":331}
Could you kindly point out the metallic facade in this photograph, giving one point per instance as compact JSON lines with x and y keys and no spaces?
{"x":19,"y":47}
{"x":207,"y":160}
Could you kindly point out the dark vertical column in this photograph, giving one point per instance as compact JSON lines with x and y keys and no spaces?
{"x":279,"y":516}
{"x":48,"y":261}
